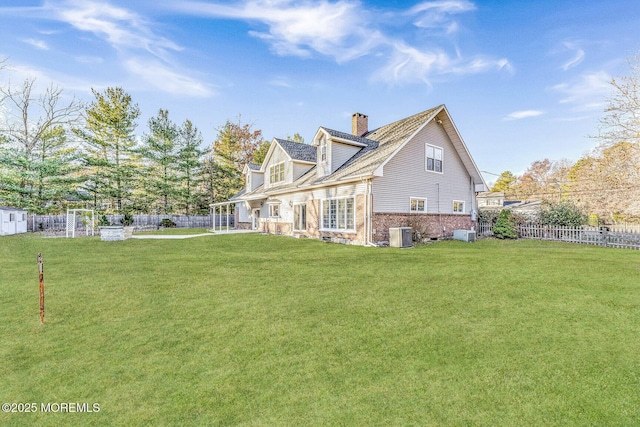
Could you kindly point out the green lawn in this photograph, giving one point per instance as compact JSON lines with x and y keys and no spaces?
{"x":174,"y":231}
{"x":258,"y":330}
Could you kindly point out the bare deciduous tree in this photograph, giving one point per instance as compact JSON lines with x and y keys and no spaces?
{"x":621,"y":122}
{"x":30,"y":117}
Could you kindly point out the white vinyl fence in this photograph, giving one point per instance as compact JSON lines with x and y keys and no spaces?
{"x":600,"y":236}
{"x":58,"y":222}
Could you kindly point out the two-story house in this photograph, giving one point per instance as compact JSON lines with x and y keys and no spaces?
{"x":351,"y":188}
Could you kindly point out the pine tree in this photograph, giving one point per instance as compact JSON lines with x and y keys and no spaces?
{"x":505,"y":227}
{"x":189,"y":167}
{"x":110,"y":151}
{"x":160,"y":152}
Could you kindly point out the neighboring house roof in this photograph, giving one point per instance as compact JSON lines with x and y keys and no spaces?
{"x":298,"y":151}
{"x":491,"y":194}
{"x":7,"y":208}
{"x":253,"y":166}
{"x":518,"y":206}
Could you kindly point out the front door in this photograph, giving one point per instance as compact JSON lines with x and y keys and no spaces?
{"x":255,"y":219}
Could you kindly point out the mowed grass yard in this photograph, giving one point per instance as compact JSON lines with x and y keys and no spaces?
{"x":257,"y":330}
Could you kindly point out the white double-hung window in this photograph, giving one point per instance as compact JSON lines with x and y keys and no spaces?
{"x":276,"y":173}
{"x":323,"y":149}
{"x":338,"y":214}
{"x":434,"y":158}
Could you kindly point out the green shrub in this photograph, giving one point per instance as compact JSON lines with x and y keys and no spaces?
{"x":167,"y":223}
{"x":127,"y":219}
{"x":505,"y":227}
{"x":103,"y":221}
{"x":562,"y":214}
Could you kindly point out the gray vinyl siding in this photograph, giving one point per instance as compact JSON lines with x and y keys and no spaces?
{"x":340,"y":153}
{"x":243,"y":213}
{"x":405,"y":177}
{"x":300,"y":169}
{"x":257,"y":179}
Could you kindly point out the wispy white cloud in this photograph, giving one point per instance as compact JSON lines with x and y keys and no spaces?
{"x":439,"y":14}
{"x":587,"y":92}
{"x":279,"y":83}
{"x":346,"y":30}
{"x":337,"y":29}
{"x":578,"y":56}
{"x":159,"y":76}
{"x":409,"y":65}
{"x":523,"y":114}
{"x":143,"y":51}
{"x":39,"y":44}
{"x":120,"y":27}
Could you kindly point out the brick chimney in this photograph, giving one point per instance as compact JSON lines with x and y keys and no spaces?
{"x":359,"y":124}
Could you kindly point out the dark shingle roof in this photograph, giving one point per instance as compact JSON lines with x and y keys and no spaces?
{"x":240,"y":193}
{"x":253,"y":166}
{"x":298,"y":151}
{"x":347,"y":136}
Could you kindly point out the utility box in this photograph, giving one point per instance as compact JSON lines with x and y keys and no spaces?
{"x":464,"y":235}
{"x":400,"y":237}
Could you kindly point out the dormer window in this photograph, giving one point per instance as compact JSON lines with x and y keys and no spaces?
{"x":276,"y":173}
{"x":323,"y":149}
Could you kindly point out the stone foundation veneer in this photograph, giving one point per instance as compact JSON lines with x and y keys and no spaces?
{"x":430,"y":226}
{"x":273,"y":227}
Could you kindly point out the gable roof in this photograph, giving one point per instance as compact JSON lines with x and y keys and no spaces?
{"x":298,"y":151}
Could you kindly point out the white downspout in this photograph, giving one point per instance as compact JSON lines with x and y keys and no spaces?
{"x":368,"y":215}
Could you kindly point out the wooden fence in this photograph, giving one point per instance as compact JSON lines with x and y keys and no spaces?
{"x":600,"y":236}
{"x":58,"y":222}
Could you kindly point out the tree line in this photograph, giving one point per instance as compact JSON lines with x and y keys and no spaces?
{"x":605,"y":182}
{"x":57,"y":152}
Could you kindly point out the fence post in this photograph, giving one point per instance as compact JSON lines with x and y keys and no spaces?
{"x":41,"y":280}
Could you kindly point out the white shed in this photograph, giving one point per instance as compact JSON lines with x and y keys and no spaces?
{"x":12,"y":221}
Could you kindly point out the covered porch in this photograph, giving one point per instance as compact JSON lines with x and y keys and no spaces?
{"x":223,"y":216}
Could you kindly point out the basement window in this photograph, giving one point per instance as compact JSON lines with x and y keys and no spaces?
{"x":418,"y":204}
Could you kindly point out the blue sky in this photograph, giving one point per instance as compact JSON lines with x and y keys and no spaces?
{"x":523,"y":80}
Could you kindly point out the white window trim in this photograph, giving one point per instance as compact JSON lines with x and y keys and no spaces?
{"x":271,"y":207}
{"x":323,"y":149}
{"x":295,"y":222}
{"x":338,"y":230}
{"x":411,"y":199}
{"x":426,"y":161}
{"x":283,"y":173}
{"x":463,"y":206}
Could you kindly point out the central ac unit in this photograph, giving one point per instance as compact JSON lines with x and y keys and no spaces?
{"x":400,"y":237}
{"x":464,"y":235}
